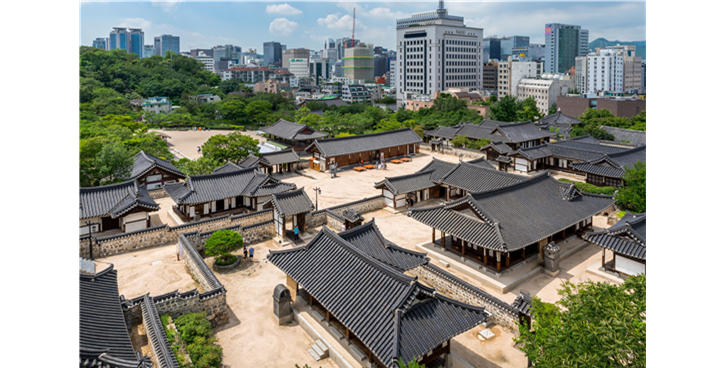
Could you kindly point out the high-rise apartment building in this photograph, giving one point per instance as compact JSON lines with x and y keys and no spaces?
{"x":501,"y":48}
{"x":148,"y":51}
{"x":135,"y":41}
{"x":300,"y":67}
{"x":272,"y":52}
{"x":563,"y":44}
{"x":199,"y":52}
{"x":511,"y":72}
{"x":100,"y":43}
{"x":393,"y":71}
{"x":118,"y":39}
{"x":380,"y":65}
{"x":224,"y":55}
{"x":580,"y":74}
{"x":438,"y":53}
{"x":294,"y":54}
{"x":358,"y":62}
{"x":490,"y":77}
{"x":167,"y":42}
{"x":605,"y":71}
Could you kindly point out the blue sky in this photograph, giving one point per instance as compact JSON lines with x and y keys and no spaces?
{"x":308,"y":24}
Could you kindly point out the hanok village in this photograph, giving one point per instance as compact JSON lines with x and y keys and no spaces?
{"x":358,"y":251}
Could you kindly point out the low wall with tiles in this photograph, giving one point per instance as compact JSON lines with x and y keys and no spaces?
{"x":175,"y":304}
{"x":319,"y":218}
{"x":466,"y":152}
{"x":503,"y":314}
{"x":334,"y":221}
{"x":158,"y":193}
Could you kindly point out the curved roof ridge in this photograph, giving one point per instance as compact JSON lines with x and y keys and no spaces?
{"x":459,"y":303}
{"x":219,"y":175}
{"x":106,"y":187}
{"x":629,"y":151}
{"x":87,"y":276}
{"x":365,"y":135}
{"x":523,"y":183}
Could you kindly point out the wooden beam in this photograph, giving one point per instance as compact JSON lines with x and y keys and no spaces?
{"x":485,"y":257}
{"x":463,"y":247}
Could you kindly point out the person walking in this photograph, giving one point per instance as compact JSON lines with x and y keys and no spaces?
{"x":297,"y":233}
{"x":198,"y":149}
{"x":344,"y":227}
{"x":245,"y":254}
{"x":251,"y":254}
{"x":377,"y":164}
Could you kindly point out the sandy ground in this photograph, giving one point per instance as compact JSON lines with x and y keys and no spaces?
{"x":186,"y":142}
{"x":252,"y":337}
{"x":137,"y":275}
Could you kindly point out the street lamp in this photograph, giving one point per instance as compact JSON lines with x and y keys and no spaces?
{"x":317,"y":191}
{"x":90,"y":240}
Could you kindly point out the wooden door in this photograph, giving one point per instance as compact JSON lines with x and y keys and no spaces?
{"x":108,"y":223}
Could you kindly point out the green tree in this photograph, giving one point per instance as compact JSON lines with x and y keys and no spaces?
{"x":526,"y":110}
{"x":301,"y":113}
{"x":113,"y":162}
{"x":633,"y":196}
{"x":201,"y":166}
{"x":505,"y":109}
{"x":480,"y":143}
{"x":229,"y":85}
{"x":461,"y":141}
{"x":258,"y":110}
{"x":412,"y":364}
{"x":344,"y":134}
{"x":312,"y":120}
{"x":639,"y":121}
{"x":222,"y":243}
{"x":552,"y":110}
{"x":446,"y":103}
{"x":592,"y":325}
{"x":234,"y":110}
{"x":388,"y":124}
{"x":232,"y":147}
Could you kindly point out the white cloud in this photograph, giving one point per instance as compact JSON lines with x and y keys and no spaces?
{"x":284,"y":9}
{"x":167,"y":5}
{"x":282,"y":27}
{"x":135,"y":23}
{"x":387,"y":13}
{"x":340,"y":24}
{"x":349,"y":6}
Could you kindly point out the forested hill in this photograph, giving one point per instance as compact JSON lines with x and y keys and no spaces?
{"x":641,"y":50}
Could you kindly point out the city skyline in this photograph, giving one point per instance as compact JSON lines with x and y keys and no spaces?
{"x":309,"y":24}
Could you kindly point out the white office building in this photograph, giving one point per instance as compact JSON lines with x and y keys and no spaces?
{"x":393,"y":72}
{"x":545,"y":90}
{"x":436,"y":51}
{"x":299,"y":67}
{"x":208,"y":62}
{"x":605,"y":71}
{"x":511,"y":72}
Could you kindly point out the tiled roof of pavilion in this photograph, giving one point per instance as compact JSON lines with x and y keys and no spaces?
{"x":114,"y":200}
{"x":104,"y":338}
{"x":232,"y":167}
{"x":580,"y":149}
{"x":613,"y":166}
{"x":636,"y":137}
{"x":249,"y":161}
{"x":368,"y":239}
{"x":559,"y":119}
{"x":433,"y":173}
{"x":514,"y":216}
{"x":144,"y":162}
{"x":221,"y":185}
{"x":407,"y":183}
{"x":365,"y":143}
{"x":627,"y":237}
{"x":523,"y":303}
{"x":292,"y":131}
{"x":440,"y":168}
{"x":391,"y":313}
{"x":481,"y":162}
{"x":501,"y":132}
{"x":518,"y":132}
{"x":279,"y":157}
{"x":474,"y":178}
{"x":500,"y":147}
{"x":291,"y":203}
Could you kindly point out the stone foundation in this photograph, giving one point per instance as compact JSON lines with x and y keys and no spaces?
{"x":502,"y":313}
{"x":158,"y":193}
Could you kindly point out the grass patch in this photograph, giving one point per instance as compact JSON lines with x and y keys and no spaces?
{"x":589,"y":188}
{"x":621,"y":214}
{"x":225,"y":262}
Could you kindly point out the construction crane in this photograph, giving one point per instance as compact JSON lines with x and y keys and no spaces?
{"x":353,"y":27}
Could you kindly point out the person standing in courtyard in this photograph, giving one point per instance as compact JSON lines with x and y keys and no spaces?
{"x":297,"y":233}
{"x":245,"y":254}
{"x":251,"y":254}
{"x":198,"y":149}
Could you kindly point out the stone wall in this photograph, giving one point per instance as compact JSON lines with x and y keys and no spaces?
{"x":319,"y":218}
{"x":176,"y":304}
{"x":444,"y":282}
{"x":158,"y":193}
{"x":468,"y":153}
{"x":334,"y":222}
{"x":258,"y":232}
{"x":165,"y":235}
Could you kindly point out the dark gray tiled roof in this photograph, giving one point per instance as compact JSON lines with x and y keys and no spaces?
{"x":279,"y":157}
{"x":221,"y":185}
{"x":291,"y":203}
{"x":269,"y":189}
{"x":365,"y":143}
{"x":559,"y":119}
{"x":114,"y":200}
{"x":391,"y":313}
{"x":636,"y":137}
{"x":491,"y":124}
{"x":580,"y":148}
{"x":476,"y":132}
{"x":288,"y":130}
{"x":500,"y":147}
{"x":613,"y":165}
{"x":443,"y":131}
{"x":512,"y":217}
{"x":351,"y":215}
{"x":249,"y":161}
{"x":481,"y":162}
{"x":520,"y":132}
{"x":407,"y":183}
{"x":627,"y":237}
{"x":474,"y":178}
{"x":523,"y":303}
{"x":231,"y":167}
{"x":564,"y":130}
{"x":440,"y":168}
{"x":368,"y":239}
{"x":104,"y":339}
{"x":156,"y":334}
{"x":144,"y":162}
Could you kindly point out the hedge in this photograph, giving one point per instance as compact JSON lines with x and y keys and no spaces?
{"x":589,"y":188}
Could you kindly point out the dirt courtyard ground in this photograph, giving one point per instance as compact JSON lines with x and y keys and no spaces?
{"x":187,"y":141}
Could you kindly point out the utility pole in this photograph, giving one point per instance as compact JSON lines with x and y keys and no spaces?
{"x":90,"y":240}
{"x":317,"y":190}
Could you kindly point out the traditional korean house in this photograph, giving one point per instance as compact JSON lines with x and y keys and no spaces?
{"x":515,"y":135}
{"x":271,"y":162}
{"x":346,"y":151}
{"x":104,"y":335}
{"x":384,"y":314}
{"x":627,"y":136}
{"x":124,"y":206}
{"x":496,"y":149}
{"x":498,"y":228}
{"x":609,"y":169}
{"x":153,"y":172}
{"x":560,"y":155}
{"x":563,"y":123}
{"x":467,"y":177}
{"x":290,"y":208}
{"x":627,"y":240}
{"x":297,"y":136}
{"x":226,"y":191}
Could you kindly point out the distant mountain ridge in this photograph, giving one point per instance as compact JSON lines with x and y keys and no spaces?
{"x":641,"y":50}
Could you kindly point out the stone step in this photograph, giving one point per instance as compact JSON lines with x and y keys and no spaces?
{"x":317,"y":315}
{"x":314,"y":354}
{"x":322,"y":345}
{"x":359,"y":355}
{"x":335,"y":332}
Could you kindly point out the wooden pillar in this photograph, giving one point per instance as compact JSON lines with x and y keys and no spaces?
{"x":433,"y":240}
{"x":443,"y":239}
{"x":614,"y":260}
{"x":523,"y":253}
{"x":328,"y":316}
{"x":463,"y":247}
{"x":508,"y":259}
{"x":603,"y":256}
{"x":347,"y":334}
{"x":485,"y":257}
{"x":312,"y":300}
{"x":498,"y":261}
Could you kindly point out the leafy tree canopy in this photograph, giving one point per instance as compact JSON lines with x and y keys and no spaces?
{"x":222,"y":243}
{"x":201,"y":166}
{"x":232,"y":147}
{"x":633,"y":196}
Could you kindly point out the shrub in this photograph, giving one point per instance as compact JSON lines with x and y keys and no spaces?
{"x":589,"y":188}
{"x":222,"y":243}
{"x":204,"y":353}
{"x":192,"y":325}
{"x":220,"y":262}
